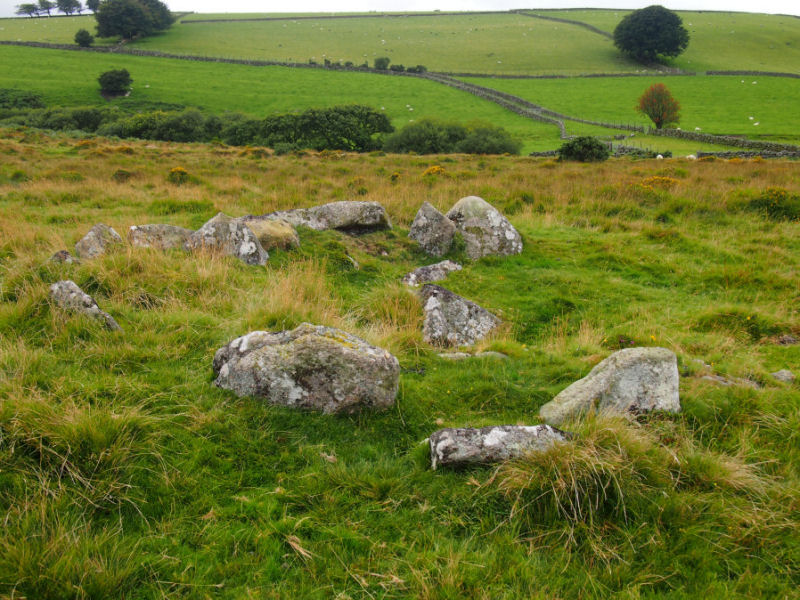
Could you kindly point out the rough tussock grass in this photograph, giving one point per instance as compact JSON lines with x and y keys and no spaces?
{"x":125,"y":472}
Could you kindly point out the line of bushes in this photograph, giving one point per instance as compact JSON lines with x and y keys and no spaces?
{"x":351,"y":128}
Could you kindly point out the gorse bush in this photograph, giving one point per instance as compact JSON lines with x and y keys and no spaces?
{"x":10,"y":98}
{"x":584,"y":149}
{"x":777,"y":204}
{"x":431,"y":136}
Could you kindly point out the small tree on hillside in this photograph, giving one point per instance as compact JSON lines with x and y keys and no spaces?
{"x":92,"y":5}
{"x":647,"y":33}
{"x":83,"y":38}
{"x":659,"y":105}
{"x":115,"y":83}
{"x":69,"y":6}
{"x":382,"y":63}
{"x":29,"y":10}
{"x":46,"y":6}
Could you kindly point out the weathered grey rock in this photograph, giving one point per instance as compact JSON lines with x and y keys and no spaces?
{"x":100,"y":239}
{"x":451,"y":320}
{"x":784,"y":375}
{"x":349,"y":216}
{"x":787,"y":339}
{"x":484,"y":229}
{"x":273,"y":233}
{"x":465,"y":355}
{"x":311,"y":367}
{"x":63,"y":256}
{"x":229,"y":236}
{"x":432,"y":230}
{"x":163,"y":237}
{"x":457,"y":447}
{"x":68,"y":296}
{"x":633,"y":380}
{"x":431,"y":273}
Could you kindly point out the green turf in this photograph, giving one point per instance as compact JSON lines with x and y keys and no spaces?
{"x":70,"y":79}
{"x":60,"y":30}
{"x":721,"y":105}
{"x":477,"y":44}
{"x":719,"y":40}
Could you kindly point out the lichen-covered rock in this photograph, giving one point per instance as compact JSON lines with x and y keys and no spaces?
{"x":63,"y":256}
{"x":465,"y":355}
{"x":634,"y":380}
{"x":310,"y":367}
{"x":451,"y":320}
{"x":349,"y":216}
{"x":98,"y":241}
{"x":431,"y":273}
{"x":161,"y":236}
{"x":68,"y":296}
{"x":228,"y":236}
{"x":273,"y":233}
{"x":784,"y":375}
{"x":458,"y":447}
{"x":432,"y":230}
{"x":484,"y":229}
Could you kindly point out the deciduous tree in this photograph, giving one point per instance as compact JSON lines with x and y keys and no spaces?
{"x":69,"y":6}
{"x":659,"y":105}
{"x":651,"y":32}
{"x":29,"y":10}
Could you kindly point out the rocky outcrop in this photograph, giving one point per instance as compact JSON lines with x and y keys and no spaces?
{"x":485,"y":231}
{"x":431,"y":273}
{"x":228,"y":236}
{"x":451,"y":320}
{"x":349,"y":216}
{"x":784,"y":375}
{"x":634,"y":380}
{"x":63,"y":256}
{"x":100,"y":239}
{"x":163,"y":237}
{"x":460,"y":447}
{"x":432,"y":231}
{"x":310,"y":367}
{"x":68,"y":296}
{"x":273,"y":233}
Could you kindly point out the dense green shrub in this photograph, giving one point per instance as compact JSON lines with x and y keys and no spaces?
{"x":417,"y":69}
{"x":430,"y":136}
{"x":397,"y":68}
{"x":116,"y":82}
{"x":382,"y":63}
{"x":186,"y":126}
{"x":83,"y":38}
{"x":651,"y":32}
{"x":584,"y":149}
{"x":132,"y":18}
{"x":10,"y":98}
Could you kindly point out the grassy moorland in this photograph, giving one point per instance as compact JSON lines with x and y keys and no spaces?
{"x":720,"y":40}
{"x":125,"y":473}
{"x":721,"y":105}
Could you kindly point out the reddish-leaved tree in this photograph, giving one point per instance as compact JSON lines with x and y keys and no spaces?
{"x":658,"y":104}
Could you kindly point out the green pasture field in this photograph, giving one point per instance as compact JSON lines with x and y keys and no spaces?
{"x":70,"y":79}
{"x":57,"y":30}
{"x":468,"y":43}
{"x":718,"y":104}
{"x":721,"y":41}
{"x":124,"y":472}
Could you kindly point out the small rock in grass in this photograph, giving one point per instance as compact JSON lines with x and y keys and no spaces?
{"x":784,"y":375}
{"x":451,"y":320}
{"x":485,"y":231}
{"x":163,"y":237}
{"x":431,"y":273}
{"x":273,"y":233}
{"x":463,"y":355}
{"x":787,"y":339}
{"x":63,"y":256}
{"x":228,"y":236}
{"x":432,"y":230}
{"x":459,"y":447}
{"x":309,"y":367}
{"x":98,"y":241}
{"x":68,"y":296}
{"x":634,"y":380}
